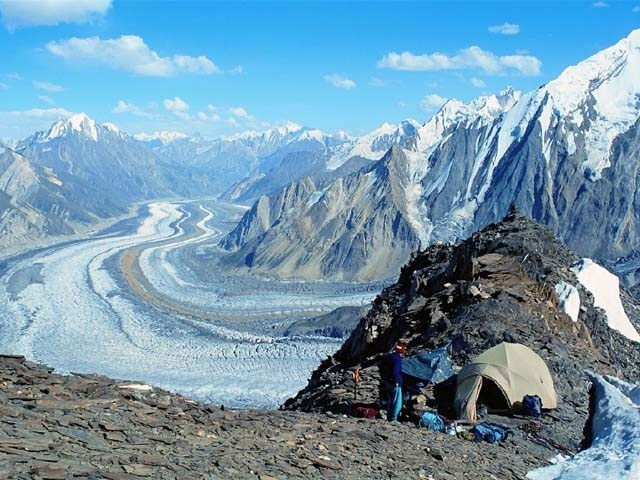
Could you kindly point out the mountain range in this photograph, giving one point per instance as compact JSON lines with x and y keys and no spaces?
{"x":354,"y":208}
{"x":566,"y":154}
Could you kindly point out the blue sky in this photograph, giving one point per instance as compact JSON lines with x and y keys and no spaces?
{"x":217,"y":68}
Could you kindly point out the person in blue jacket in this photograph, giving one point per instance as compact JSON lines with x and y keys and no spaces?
{"x":394,"y":395}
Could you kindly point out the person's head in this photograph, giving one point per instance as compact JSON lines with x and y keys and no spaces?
{"x":401,"y":348}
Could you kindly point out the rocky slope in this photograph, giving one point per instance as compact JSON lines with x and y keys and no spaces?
{"x":566,"y":153}
{"x":499,"y":285}
{"x":86,"y":426}
{"x":31,"y":201}
{"x":356,"y":228}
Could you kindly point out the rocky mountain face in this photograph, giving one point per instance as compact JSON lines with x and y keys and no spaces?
{"x":100,"y":169}
{"x":499,"y":285}
{"x":31,"y":201}
{"x":326,"y":157}
{"x":235,"y":164}
{"x":357,"y":226}
{"x":566,"y":154}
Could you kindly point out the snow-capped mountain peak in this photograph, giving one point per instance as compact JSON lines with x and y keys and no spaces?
{"x":374,"y":144}
{"x":164,"y":137}
{"x":601,"y":96}
{"x":270,"y":133}
{"x":612,"y":76}
{"x":79,"y":123}
{"x":111,"y":127}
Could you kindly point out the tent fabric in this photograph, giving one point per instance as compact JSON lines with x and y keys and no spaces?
{"x":514,"y":368}
{"x":467,"y":396}
{"x":434,"y":366}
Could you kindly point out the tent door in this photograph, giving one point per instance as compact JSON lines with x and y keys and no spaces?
{"x":469,"y":407}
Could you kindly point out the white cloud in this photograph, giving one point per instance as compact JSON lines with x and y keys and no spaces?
{"x":340,"y":81}
{"x":636,"y":9}
{"x":432,"y":102}
{"x":237,"y":70}
{"x":505,"y":29}
{"x":14,"y":76}
{"x":467,"y":58}
{"x":376,"y":82}
{"x":46,"y":99}
{"x":175,"y":104}
{"x":478,"y":83}
{"x":49,"y":87}
{"x":20,"y":123}
{"x":600,"y":4}
{"x":124,"y":107}
{"x":130,"y":53}
{"x":212,"y":108}
{"x":3,"y":86}
{"x":239,"y":112}
{"x":49,"y":113}
{"x":27,"y":13}
{"x":202,"y":116}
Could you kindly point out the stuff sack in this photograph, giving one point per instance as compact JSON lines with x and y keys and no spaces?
{"x":365,"y":412}
{"x":432,"y":421}
{"x":532,"y":405}
{"x":490,"y":432}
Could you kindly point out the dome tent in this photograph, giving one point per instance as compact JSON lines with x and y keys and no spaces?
{"x":514,"y":369}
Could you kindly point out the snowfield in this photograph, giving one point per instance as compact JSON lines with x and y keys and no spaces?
{"x":78,"y":315}
{"x":605,"y":288}
{"x":615,"y":450}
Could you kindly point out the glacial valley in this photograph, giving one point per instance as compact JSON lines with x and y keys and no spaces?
{"x":144,"y":299}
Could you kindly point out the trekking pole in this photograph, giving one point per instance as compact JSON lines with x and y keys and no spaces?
{"x":356,"y":379}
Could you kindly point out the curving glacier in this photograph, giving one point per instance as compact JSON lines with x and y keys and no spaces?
{"x":191,"y":328}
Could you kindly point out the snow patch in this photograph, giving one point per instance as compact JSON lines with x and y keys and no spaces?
{"x":616,"y":437}
{"x":568,"y":299}
{"x":605,"y":288}
{"x":316,"y":196}
{"x":163,"y":137}
{"x":136,"y":386}
{"x":55,"y":181}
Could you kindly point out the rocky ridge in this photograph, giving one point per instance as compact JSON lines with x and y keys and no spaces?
{"x":498,"y":285}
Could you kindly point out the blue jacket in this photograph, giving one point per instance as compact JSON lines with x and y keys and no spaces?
{"x":395,"y":364}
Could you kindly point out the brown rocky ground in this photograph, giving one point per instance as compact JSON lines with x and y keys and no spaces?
{"x":83,"y":426}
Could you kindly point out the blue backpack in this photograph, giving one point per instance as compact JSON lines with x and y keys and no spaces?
{"x":490,"y":432}
{"x":432,"y":421}
{"x":532,"y":405}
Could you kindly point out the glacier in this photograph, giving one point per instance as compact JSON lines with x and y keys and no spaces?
{"x":218,"y":344}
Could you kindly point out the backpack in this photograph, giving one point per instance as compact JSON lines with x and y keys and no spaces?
{"x":490,"y":432}
{"x":432,"y":421}
{"x":532,"y":405}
